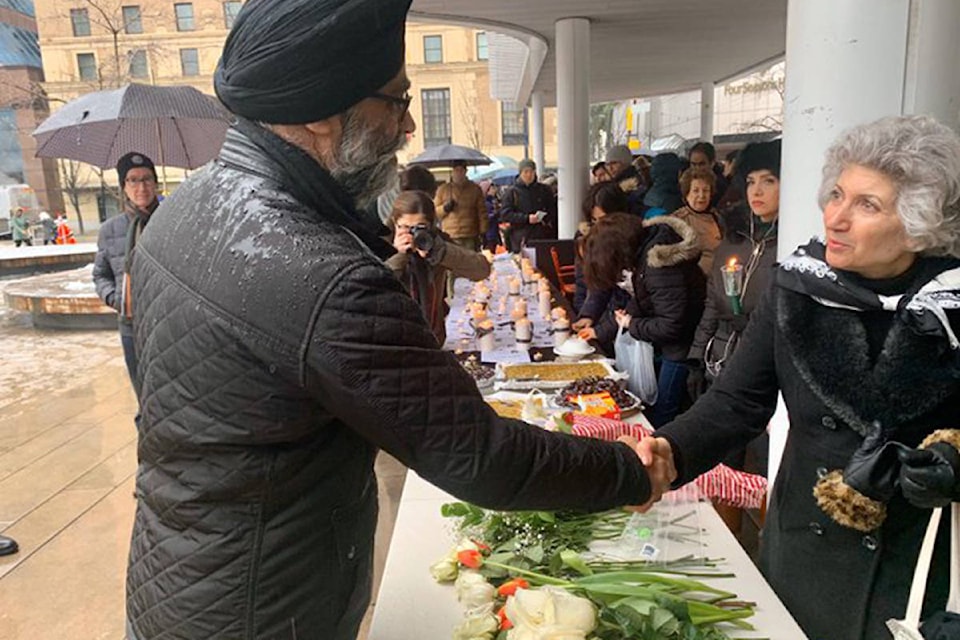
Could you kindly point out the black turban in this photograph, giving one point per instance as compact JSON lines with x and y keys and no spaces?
{"x":299,"y":61}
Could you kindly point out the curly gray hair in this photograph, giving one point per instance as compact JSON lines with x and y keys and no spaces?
{"x":922,"y":158}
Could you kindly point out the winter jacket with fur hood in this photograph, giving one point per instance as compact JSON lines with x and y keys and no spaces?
{"x":668,"y":289}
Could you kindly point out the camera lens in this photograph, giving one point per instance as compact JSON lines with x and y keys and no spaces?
{"x":423,"y":239}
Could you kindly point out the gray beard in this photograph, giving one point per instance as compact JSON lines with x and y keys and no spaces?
{"x":365,"y":163}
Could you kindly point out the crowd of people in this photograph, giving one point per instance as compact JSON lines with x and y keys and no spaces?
{"x":52,"y":230}
{"x":278,"y":334}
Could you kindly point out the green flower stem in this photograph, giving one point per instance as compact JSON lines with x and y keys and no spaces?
{"x":533,"y":575}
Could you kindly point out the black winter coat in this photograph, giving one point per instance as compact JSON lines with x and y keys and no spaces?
{"x":719,"y":324}
{"x":668,"y":290}
{"x":838,"y":583}
{"x":277,"y":353}
{"x":516,"y":205}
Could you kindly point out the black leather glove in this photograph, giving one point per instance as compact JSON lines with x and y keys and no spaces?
{"x":873,"y":469}
{"x":929,"y":477}
{"x":696,"y":379}
{"x":858,"y":497}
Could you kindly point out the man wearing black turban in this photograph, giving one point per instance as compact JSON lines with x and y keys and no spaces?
{"x":278,"y":353}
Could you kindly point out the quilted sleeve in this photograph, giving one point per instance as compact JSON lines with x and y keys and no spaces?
{"x":103,"y":277}
{"x":371,"y":359}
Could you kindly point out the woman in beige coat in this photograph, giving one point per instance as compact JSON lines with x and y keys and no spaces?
{"x":697,"y":186}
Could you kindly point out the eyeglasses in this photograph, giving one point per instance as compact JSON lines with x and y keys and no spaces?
{"x":138,"y":181}
{"x":400,"y":101}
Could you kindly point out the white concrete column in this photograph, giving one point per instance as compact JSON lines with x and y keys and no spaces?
{"x":863,"y":44}
{"x":932,"y":83}
{"x":706,"y":111}
{"x":849,"y":63}
{"x":573,"y":114}
{"x":536,"y":129}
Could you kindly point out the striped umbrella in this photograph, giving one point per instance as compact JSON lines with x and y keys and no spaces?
{"x":174,"y":126}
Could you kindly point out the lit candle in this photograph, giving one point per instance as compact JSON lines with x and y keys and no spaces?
{"x":732,"y":273}
{"x":524,"y":333}
{"x":546,"y":303}
{"x":485,"y":338}
{"x":561,"y":331}
{"x":514,"y":286}
{"x":558,"y":313}
{"x":481,"y":293}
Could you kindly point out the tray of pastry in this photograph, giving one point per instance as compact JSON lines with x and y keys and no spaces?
{"x":551,"y":375}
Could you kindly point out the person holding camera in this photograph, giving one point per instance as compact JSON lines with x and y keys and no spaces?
{"x":426,"y":257}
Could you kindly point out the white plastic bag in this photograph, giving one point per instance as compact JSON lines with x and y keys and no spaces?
{"x":635,"y":358}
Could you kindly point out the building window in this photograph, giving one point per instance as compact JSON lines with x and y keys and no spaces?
{"x":87,"y":65}
{"x":189,"y":62}
{"x":483,"y":53}
{"x":80,"y":20}
{"x":184,"y":11}
{"x":514,"y":127}
{"x":138,"y":64}
{"x":436,"y":117}
{"x":432,"y":49}
{"x":230,"y":11}
{"x":131,"y":20}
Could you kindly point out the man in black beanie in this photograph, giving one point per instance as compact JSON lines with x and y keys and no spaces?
{"x":138,"y":183}
{"x":278,"y":353}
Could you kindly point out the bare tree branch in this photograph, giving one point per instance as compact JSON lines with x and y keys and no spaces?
{"x":472,"y":118}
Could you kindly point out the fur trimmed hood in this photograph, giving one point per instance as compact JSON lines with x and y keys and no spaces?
{"x":670,"y":241}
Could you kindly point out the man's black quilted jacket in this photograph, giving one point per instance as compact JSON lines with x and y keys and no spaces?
{"x":277,"y":354}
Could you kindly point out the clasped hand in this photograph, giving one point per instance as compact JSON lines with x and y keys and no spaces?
{"x":657,"y":458}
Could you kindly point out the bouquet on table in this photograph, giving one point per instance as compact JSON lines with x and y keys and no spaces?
{"x":529,"y":576}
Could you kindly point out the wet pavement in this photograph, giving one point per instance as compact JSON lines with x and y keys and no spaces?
{"x":67,"y":465}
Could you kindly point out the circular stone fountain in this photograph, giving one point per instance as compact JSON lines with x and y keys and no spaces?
{"x":25,"y":260}
{"x":62,"y":300}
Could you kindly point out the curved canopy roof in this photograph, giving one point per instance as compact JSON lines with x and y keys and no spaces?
{"x":638,"y":47}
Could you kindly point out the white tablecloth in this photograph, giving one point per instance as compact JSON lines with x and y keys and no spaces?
{"x":412,"y":606}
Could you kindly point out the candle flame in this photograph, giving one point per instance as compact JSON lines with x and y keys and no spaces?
{"x":732,"y":263}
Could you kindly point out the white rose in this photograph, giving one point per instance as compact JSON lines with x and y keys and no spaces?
{"x":549,"y":614}
{"x":473,"y":590}
{"x":466,"y":544}
{"x":480,"y":625}
{"x":446,"y":568}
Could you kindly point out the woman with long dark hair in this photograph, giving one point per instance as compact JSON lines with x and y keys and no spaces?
{"x":656,"y":262}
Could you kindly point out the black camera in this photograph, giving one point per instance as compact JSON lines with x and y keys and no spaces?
{"x":424,"y":237}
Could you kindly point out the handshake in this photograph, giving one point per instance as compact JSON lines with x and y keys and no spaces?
{"x":657,"y":458}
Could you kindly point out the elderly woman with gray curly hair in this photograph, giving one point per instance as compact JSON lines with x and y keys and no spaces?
{"x":859,"y":334}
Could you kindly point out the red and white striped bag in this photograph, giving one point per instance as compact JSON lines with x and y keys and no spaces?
{"x":723,"y":484}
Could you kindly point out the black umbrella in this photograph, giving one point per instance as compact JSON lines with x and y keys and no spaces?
{"x":446,"y":155}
